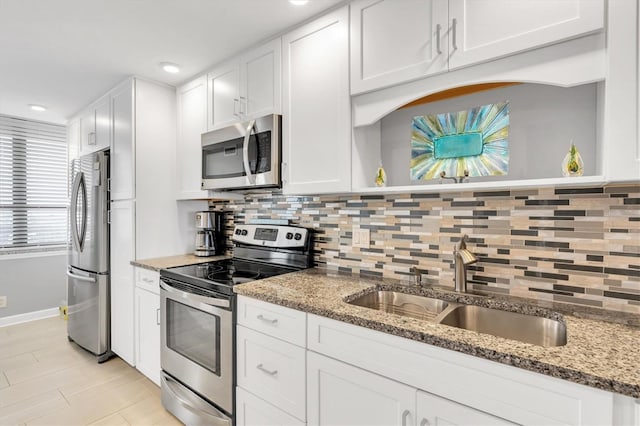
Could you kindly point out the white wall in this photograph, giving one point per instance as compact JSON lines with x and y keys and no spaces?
{"x":32,"y":284}
{"x":542,"y":121}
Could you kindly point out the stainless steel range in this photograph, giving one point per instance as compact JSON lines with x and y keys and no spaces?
{"x":198,"y":319}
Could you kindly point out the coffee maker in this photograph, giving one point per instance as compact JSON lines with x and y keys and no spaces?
{"x":209,"y":235}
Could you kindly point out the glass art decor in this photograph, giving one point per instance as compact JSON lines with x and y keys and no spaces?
{"x":473,"y":141}
{"x":572,"y":164}
{"x":381,"y":176}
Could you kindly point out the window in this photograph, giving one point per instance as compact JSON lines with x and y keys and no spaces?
{"x":33,"y":185}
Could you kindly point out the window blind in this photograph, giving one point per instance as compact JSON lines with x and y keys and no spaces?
{"x":33,"y":184}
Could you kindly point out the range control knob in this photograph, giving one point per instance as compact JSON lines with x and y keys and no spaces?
{"x":238,"y":231}
{"x":298,"y":236}
{"x":289,"y":235}
{"x":244,"y":232}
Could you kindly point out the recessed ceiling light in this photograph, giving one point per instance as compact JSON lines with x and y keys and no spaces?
{"x":37,"y":107}
{"x":170,"y":67}
{"x":298,"y":2}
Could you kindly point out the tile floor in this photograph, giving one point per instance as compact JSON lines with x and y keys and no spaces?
{"x":46,"y":380}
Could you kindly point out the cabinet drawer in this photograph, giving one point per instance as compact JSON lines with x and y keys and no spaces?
{"x":276,"y":321}
{"x":148,"y":280}
{"x":251,"y":410}
{"x":273,"y":370}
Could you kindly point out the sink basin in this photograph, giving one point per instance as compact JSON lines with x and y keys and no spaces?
{"x":407,"y":305}
{"x":525,"y":328}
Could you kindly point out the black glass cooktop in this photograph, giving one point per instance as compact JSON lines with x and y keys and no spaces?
{"x":222,"y":275}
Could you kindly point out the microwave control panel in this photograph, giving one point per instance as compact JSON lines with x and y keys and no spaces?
{"x":277,"y":236}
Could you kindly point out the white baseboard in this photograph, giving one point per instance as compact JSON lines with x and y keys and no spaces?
{"x":29,"y":316}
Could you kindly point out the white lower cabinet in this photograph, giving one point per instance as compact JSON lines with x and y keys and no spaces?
{"x":433,"y":411}
{"x":273,"y":369}
{"x":147,"y":324}
{"x":356,"y":376}
{"x":252,"y":411}
{"x":339,"y":394}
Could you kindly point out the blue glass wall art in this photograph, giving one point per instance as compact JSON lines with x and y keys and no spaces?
{"x":475,"y":140}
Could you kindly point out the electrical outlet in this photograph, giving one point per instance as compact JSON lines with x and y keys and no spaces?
{"x":3,"y":301}
{"x":360,"y":238}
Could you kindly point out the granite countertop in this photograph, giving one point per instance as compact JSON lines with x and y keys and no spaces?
{"x":158,"y":263}
{"x":600,"y":354}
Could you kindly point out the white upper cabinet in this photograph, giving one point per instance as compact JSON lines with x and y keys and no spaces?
{"x":486,"y":29}
{"x":122,"y":167}
{"x":191,"y":123}
{"x":73,"y":139}
{"x":95,"y":127}
{"x":316,"y":124}
{"x":394,"y":41}
{"x":261,"y":75}
{"x":245,"y":87}
{"x":224,"y":95}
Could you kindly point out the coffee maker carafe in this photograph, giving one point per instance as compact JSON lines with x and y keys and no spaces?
{"x":209,"y":234}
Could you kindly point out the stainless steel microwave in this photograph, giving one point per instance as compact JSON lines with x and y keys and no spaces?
{"x":245,"y":155}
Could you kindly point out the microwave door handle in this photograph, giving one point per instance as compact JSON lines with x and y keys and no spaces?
{"x":245,"y":153}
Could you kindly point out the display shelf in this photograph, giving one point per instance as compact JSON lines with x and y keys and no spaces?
{"x":581,"y":181}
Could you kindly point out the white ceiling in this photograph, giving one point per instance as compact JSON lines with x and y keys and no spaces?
{"x":63,"y":54}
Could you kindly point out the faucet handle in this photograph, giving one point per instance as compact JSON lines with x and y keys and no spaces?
{"x":417,"y":272}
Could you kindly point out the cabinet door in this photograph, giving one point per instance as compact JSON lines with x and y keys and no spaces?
{"x":261,"y":80}
{"x":192,"y":122}
{"x":147,"y":322}
{"x":435,"y":411}
{"x":252,"y":411}
{"x":122,"y":276}
{"x":223,"y":101}
{"x":316,"y":123}
{"x":488,"y":29}
{"x":73,"y":139}
{"x":393,"y":42}
{"x":103,"y":123}
{"x":339,"y":394}
{"x":122,"y":147}
{"x":88,"y":132}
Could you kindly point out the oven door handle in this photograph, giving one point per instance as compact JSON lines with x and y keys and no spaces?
{"x":213,"y":416}
{"x":213,"y":301}
{"x":245,"y":152}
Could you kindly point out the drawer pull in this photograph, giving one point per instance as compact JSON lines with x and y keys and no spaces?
{"x":271,"y":321}
{"x":264,"y":370}
{"x":147,"y":280}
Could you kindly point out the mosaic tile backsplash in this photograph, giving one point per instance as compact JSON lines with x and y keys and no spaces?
{"x":578,"y":245}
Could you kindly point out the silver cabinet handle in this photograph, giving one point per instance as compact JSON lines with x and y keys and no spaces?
{"x":454,"y":38}
{"x":438,"y":49}
{"x":264,"y":370}
{"x":236,"y":101}
{"x":424,"y":422}
{"x":91,"y":138}
{"x":147,"y":280}
{"x":405,"y":414}
{"x":262,"y":318}
{"x":158,"y":316}
{"x":243,"y":100}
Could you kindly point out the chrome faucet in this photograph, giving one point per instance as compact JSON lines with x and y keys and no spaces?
{"x":462,"y":257}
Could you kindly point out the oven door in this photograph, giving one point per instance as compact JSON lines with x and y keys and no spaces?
{"x":243,"y":156}
{"x":197,"y":342}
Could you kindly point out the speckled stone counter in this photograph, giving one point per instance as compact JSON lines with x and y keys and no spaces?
{"x":598,"y":353}
{"x":158,"y":263}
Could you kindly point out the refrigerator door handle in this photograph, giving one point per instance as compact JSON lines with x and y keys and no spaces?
{"x":74,"y":212}
{"x":83,"y":230}
{"x":80,"y":277}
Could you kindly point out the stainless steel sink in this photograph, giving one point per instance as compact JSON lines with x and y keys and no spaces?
{"x":407,"y":305}
{"x":525,"y":328}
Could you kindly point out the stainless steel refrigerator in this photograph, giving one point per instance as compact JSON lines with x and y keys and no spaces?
{"x":89,"y":323}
